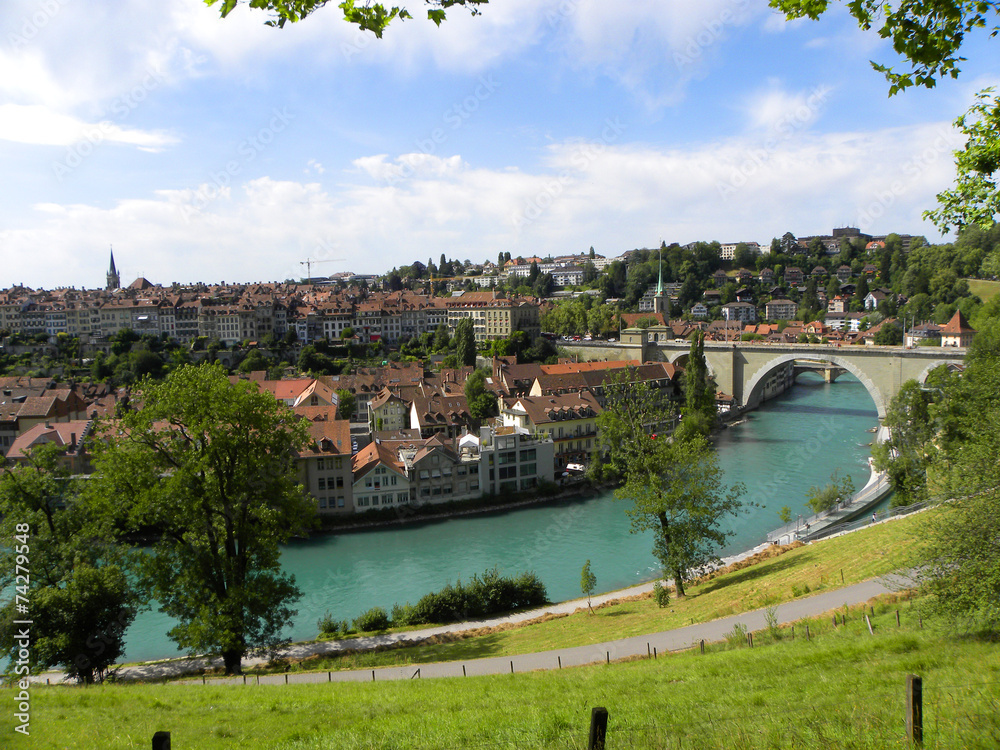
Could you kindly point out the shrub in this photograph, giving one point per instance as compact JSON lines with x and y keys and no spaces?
{"x":327,"y":625}
{"x":375,"y":618}
{"x":402,"y":615}
{"x":737,"y":637}
{"x":489,"y":594}
{"x":661,"y":592}
{"x":771,"y":618}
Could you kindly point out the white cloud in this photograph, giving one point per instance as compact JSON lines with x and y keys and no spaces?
{"x":39,"y":125}
{"x":614,"y":197}
{"x":778,"y":111}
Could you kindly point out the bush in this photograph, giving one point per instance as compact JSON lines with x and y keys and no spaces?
{"x":490,"y":594}
{"x":375,"y":618}
{"x":737,"y":637}
{"x":771,"y":618}
{"x":327,"y":625}
{"x":661,"y":592}
{"x":402,"y":615}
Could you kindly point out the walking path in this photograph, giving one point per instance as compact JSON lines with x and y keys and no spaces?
{"x":640,"y":645}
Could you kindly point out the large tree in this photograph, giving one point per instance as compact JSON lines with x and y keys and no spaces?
{"x":209,"y":465}
{"x":677,"y":492}
{"x":482,"y":403}
{"x":80,"y":600}
{"x":465,"y":342}
{"x":929,"y":35}
{"x":674,"y":485}
{"x":959,"y":564}
{"x":698,"y":414}
{"x":368,"y":16}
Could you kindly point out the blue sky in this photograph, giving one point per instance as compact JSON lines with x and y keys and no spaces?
{"x":205,"y":149}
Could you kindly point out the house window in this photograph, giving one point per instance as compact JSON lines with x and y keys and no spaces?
{"x":322,"y":483}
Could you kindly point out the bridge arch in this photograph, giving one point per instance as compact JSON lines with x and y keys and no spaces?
{"x":922,"y":378}
{"x":752,"y":391}
{"x":680,"y":359}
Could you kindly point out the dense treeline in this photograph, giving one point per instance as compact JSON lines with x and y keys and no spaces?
{"x":943,"y":447}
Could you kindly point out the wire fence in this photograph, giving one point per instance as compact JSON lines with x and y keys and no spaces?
{"x":951,"y":716}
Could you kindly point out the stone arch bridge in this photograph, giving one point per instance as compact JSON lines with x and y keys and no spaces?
{"x":747,"y":370}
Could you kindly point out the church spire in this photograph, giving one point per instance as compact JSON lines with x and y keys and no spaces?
{"x":114,"y":280}
{"x":659,"y":284}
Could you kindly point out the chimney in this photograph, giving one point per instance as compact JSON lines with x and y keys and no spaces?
{"x":72,"y":440}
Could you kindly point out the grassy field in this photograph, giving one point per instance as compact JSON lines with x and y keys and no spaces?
{"x":844,"y":560}
{"x":842,"y":689}
{"x":985,"y":290}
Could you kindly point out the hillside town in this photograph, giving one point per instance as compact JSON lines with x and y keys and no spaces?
{"x":369,"y":361}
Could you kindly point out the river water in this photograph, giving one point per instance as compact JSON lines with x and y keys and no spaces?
{"x":790,"y":444}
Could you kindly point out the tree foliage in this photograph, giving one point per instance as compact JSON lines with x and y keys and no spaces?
{"x":465,"y":342}
{"x":674,"y":485}
{"x":698,"y":414}
{"x":929,"y":34}
{"x":588,"y":583}
{"x":210,"y":465}
{"x":482,"y":403}
{"x":81,"y":601}
{"x":944,"y":446}
{"x":838,"y":490}
{"x":373,"y":17}
{"x":907,"y":452}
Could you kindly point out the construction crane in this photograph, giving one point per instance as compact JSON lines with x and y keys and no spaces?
{"x":309,"y":263}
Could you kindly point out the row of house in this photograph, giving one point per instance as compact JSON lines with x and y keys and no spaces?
{"x":233,"y":314}
{"x":418,"y":444}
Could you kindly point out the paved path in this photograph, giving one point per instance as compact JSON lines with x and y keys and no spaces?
{"x":671,"y":640}
{"x":640,"y":645}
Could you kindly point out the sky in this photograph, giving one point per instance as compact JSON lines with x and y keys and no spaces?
{"x":209,"y":149}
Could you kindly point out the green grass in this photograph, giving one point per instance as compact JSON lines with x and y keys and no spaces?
{"x":842,"y":689}
{"x":985,"y":290}
{"x":859,"y":556}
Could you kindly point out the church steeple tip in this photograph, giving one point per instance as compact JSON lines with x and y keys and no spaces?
{"x":114,"y":280}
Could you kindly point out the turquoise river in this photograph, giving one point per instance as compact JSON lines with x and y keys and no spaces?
{"x":790,"y":444}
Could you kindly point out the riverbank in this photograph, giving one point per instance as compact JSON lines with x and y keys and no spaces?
{"x":755,"y":578}
{"x":411,"y":514}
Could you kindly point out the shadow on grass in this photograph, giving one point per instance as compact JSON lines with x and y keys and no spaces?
{"x":451,"y":649}
{"x":785,"y":562}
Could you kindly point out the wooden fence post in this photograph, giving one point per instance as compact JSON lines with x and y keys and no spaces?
{"x":161,"y":741}
{"x":914,"y":709}
{"x":703,"y":645}
{"x":870,"y":628}
{"x":598,"y":728}
{"x":897,"y":618}
{"x":793,"y":632}
{"x":807,"y":632}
